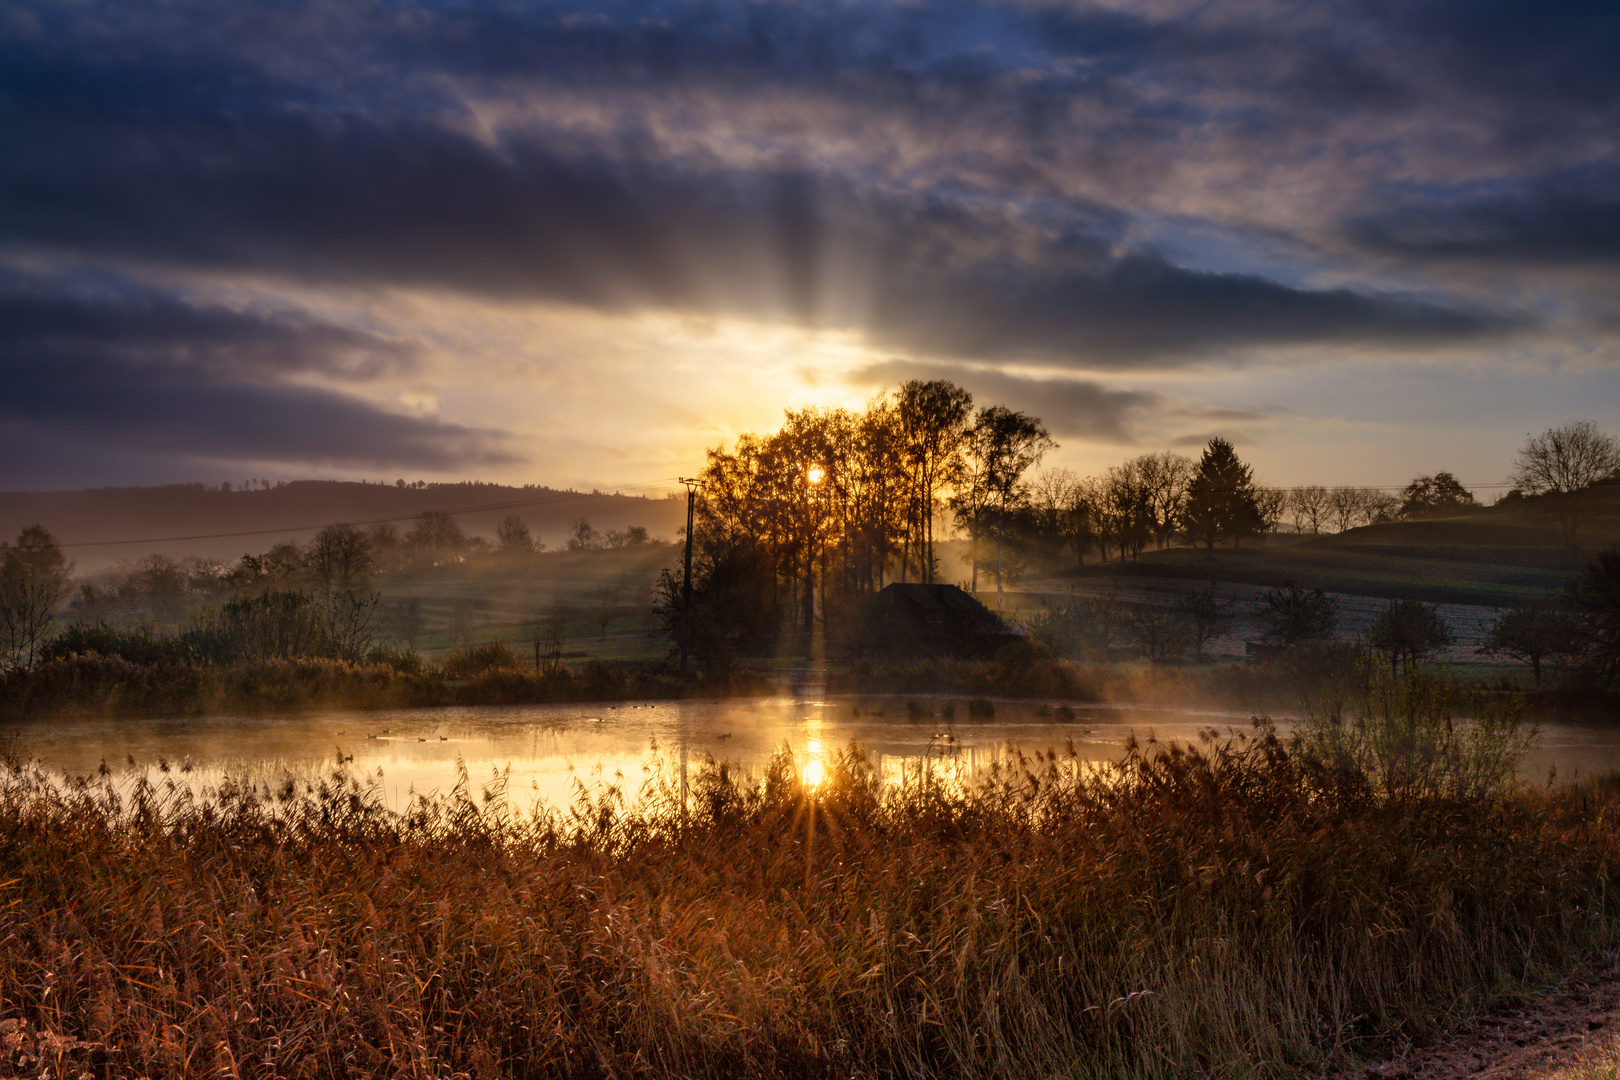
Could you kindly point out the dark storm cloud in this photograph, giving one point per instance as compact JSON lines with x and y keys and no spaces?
{"x":321,"y":144}
{"x":131,"y":370}
{"x":1068,"y":407}
{"x":346,"y":199}
{"x":1142,"y":306}
{"x":1572,"y":219}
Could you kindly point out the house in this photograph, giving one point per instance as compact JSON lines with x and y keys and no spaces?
{"x":909,"y":619}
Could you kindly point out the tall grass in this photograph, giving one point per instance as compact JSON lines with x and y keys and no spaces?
{"x":1249,"y":907}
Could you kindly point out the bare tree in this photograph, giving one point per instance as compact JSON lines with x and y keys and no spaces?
{"x":1207,"y":616}
{"x":1156,"y":633}
{"x":350,"y":622}
{"x":1308,"y":508}
{"x":1344,"y":507}
{"x":1561,"y":465}
{"x":437,"y":536}
{"x":512,"y":533}
{"x":1164,"y":479}
{"x":33,"y":582}
{"x":582,"y":536}
{"x":1378,"y":507}
{"x":341,"y":559}
{"x":1269,"y":504}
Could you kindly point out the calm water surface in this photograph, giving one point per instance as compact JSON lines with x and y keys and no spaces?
{"x":549,"y":751}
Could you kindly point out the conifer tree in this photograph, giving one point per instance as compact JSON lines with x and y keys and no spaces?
{"x":1221,"y":500}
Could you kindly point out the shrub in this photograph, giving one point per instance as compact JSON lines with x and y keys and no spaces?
{"x":139,"y":646}
{"x":475,"y":660}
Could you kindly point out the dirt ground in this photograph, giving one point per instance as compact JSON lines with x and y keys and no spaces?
{"x":1555,"y":1036}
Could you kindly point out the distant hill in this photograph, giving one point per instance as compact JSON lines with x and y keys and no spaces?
{"x":1495,"y":556}
{"x":103,"y":526}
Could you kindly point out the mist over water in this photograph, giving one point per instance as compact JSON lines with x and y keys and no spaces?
{"x":547,"y":753}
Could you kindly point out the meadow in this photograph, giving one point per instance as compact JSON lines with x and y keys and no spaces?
{"x":1253,"y":906}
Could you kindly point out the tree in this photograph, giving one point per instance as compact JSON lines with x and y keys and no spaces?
{"x":1164,"y":479}
{"x":628,"y":537}
{"x":437,"y":537}
{"x":582,"y":537}
{"x":1408,"y":631}
{"x":513,"y":536}
{"x":1001,"y":446}
{"x":1561,"y":465}
{"x":1344,"y":507}
{"x":1435,"y":496}
{"x":1220,"y":501}
{"x":350,"y":623}
{"x":932,"y":418}
{"x":1269,"y":504}
{"x":735,"y":610}
{"x":1533,"y":633}
{"x":34,"y":578}
{"x":1292,"y":614}
{"x":341,"y":559}
{"x":1157,"y":634}
{"x":1594,"y":599}
{"x":1309,"y":508}
{"x":1207,"y":616}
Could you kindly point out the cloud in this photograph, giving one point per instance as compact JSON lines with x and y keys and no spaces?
{"x":962,"y":181}
{"x":133,"y":370}
{"x":1068,"y":407}
{"x":1563,"y":220}
{"x":206,"y":164}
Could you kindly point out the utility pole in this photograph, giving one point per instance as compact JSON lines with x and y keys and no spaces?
{"x":686,"y":580}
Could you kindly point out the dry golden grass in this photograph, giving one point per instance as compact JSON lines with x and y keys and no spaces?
{"x":1248,"y":908}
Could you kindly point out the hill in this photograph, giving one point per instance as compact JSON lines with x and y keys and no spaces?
{"x":102,"y":526}
{"x":1493,"y":557}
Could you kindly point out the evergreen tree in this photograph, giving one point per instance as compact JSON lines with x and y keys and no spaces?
{"x":1221,"y":500}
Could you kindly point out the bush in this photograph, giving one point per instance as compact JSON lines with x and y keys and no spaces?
{"x":476,"y":660}
{"x":139,"y":646}
{"x":1419,"y":737}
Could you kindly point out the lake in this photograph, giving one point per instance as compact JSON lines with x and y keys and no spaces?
{"x":548,"y":751}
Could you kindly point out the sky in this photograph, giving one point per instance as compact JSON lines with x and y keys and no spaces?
{"x":577,"y":245}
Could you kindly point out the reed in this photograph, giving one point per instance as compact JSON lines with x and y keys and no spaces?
{"x":1250,"y":907}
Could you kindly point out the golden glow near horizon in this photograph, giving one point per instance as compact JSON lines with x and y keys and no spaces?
{"x":816,"y":474}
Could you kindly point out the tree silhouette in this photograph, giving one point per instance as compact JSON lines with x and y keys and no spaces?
{"x":1001,"y":447}
{"x":1562,"y":465}
{"x":1408,"y":631}
{"x":1594,"y":599}
{"x":1533,"y":633}
{"x":1293,"y":614}
{"x":1220,"y":501}
{"x":933,"y":420}
{"x":1434,"y":496}
{"x":34,"y":580}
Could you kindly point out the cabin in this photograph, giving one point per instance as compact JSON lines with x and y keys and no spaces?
{"x":911,"y":619}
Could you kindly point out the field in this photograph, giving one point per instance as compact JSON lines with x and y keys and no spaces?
{"x":598,"y":603}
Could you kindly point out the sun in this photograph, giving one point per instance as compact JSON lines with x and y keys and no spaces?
{"x":815,"y":474}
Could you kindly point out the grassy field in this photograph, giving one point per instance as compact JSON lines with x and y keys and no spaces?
{"x":1250,"y":908}
{"x":1477,"y":560}
{"x":599,"y":602}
